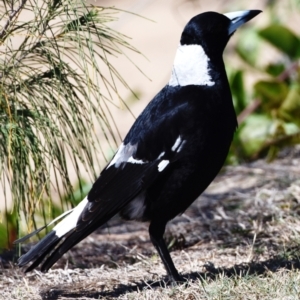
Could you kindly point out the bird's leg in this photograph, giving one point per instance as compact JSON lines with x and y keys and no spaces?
{"x":156,"y":231}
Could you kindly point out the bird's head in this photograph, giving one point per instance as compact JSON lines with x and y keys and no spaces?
{"x":212,"y":30}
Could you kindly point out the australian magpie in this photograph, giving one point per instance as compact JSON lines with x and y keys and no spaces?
{"x":170,"y":155}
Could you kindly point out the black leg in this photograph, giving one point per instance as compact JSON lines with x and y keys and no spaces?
{"x":156,"y":232}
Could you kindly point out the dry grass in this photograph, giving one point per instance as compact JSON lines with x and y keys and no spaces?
{"x":240,"y":240}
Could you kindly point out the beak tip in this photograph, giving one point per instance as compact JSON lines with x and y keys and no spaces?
{"x":255,"y":12}
{"x":238,"y":18}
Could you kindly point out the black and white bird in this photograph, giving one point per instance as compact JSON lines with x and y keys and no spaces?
{"x":170,"y":155}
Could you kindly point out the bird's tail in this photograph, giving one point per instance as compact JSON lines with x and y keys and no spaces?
{"x":59,"y":240}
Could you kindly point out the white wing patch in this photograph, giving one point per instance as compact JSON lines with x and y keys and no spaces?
{"x":180,"y":147}
{"x":118,"y":156}
{"x":136,"y":161}
{"x":124,"y":154}
{"x":162,"y":165}
{"x":71,"y":220}
{"x":190,"y":67}
{"x":178,"y":144}
{"x":161,"y":155}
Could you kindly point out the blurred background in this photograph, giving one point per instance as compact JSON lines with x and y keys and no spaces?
{"x":262,"y":62}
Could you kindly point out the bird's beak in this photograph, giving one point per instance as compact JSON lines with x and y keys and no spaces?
{"x":238,"y":18}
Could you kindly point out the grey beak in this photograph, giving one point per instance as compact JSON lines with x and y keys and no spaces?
{"x":238,"y":18}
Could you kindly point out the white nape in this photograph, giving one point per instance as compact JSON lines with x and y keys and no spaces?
{"x":162,"y":165}
{"x":71,"y":220}
{"x":190,"y":67}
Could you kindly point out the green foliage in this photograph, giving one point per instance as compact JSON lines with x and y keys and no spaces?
{"x":56,"y":85}
{"x":282,"y":38}
{"x":8,"y":229}
{"x":289,"y":110}
{"x":271,"y":93}
{"x":238,"y":91}
{"x":272,"y":119}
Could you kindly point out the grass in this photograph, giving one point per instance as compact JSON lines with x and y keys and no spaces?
{"x":240,"y":240}
{"x":129,"y":283}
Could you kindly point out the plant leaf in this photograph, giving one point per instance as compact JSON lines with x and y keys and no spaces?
{"x":238,"y":91}
{"x":275,"y":69}
{"x":290,"y":108}
{"x":272,"y":93}
{"x":283,"y":39}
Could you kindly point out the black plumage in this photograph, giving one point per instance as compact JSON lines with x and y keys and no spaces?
{"x":171,"y":154}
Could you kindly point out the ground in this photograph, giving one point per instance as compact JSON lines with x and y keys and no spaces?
{"x":239,"y":240}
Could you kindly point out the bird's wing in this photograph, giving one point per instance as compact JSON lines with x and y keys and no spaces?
{"x":153,"y":143}
{"x":151,"y":146}
{"x":132,"y":170}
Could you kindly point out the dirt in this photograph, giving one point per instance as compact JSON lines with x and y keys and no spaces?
{"x":246,"y":222}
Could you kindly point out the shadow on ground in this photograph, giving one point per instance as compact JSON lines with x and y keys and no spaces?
{"x":253,"y":268}
{"x":253,"y":207}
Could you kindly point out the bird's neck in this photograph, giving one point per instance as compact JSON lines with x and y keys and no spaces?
{"x":192,"y":67}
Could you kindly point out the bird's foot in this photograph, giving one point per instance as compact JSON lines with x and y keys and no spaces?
{"x":177,"y":280}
